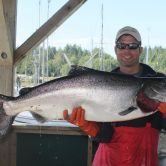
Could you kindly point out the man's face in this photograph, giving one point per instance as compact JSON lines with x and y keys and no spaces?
{"x":128,"y":57}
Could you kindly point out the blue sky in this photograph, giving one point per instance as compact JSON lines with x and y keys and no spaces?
{"x":84,"y":26}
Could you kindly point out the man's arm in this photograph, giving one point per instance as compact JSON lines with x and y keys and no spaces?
{"x":149,"y":105}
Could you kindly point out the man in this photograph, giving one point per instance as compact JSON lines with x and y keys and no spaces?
{"x":129,"y":143}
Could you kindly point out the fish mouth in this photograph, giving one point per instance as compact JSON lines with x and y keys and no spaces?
{"x":156,"y":93}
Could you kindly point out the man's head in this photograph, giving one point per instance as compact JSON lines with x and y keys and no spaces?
{"x":128,"y":48}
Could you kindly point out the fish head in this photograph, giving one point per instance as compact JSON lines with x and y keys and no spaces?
{"x":156,"y":89}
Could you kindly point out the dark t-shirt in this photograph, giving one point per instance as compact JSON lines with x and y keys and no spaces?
{"x":157,"y":121}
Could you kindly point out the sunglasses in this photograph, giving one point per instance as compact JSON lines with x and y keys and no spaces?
{"x":131,"y":46}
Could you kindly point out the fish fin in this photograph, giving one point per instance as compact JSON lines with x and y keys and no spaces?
{"x":76,"y":70}
{"x":127,"y":111}
{"x":24,"y":90}
{"x":5,"y":98}
{"x":38,"y":117}
{"x":5,"y":124}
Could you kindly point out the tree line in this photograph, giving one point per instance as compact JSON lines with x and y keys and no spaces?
{"x":53,"y":62}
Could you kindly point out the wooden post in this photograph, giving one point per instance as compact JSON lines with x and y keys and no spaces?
{"x":7,"y":44}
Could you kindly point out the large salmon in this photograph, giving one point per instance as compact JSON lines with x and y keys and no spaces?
{"x":105,"y":96}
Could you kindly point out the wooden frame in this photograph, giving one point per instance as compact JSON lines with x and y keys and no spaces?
{"x":10,"y":56}
{"x":11,"y":158}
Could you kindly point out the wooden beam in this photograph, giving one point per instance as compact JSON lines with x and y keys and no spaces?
{"x":7,"y":38}
{"x":10,"y":12}
{"x":46,"y":29}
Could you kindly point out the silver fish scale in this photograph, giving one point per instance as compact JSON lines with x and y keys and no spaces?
{"x":91,"y":80}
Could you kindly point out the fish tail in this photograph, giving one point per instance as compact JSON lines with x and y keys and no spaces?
{"x":5,"y":120}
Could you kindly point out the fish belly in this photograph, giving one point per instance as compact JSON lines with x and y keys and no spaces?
{"x":101,"y":105}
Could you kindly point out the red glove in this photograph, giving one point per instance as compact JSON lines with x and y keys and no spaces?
{"x":146,"y":104}
{"x":77,"y":118}
{"x":162,"y":108}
